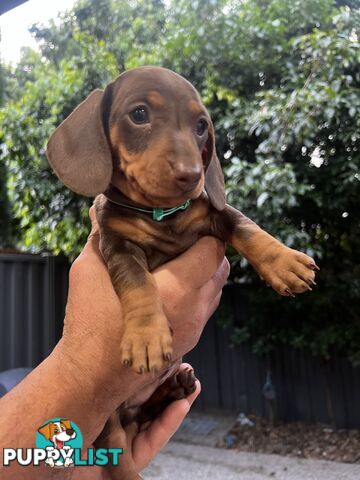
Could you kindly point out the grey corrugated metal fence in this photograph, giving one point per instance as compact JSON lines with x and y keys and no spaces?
{"x":307,"y":388}
{"x":33,"y":291}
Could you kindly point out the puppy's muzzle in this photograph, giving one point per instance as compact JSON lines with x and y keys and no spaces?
{"x":187,"y":177}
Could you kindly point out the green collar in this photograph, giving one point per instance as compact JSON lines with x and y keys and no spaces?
{"x":157,"y":214}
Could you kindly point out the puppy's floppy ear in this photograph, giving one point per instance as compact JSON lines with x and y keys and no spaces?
{"x":78,"y":150}
{"x":214,"y":177}
{"x":46,"y":431}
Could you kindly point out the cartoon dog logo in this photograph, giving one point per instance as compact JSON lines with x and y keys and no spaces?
{"x":58,"y":432}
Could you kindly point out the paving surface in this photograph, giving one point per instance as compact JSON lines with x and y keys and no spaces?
{"x":192,"y":454}
{"x":181,"y":461}
{"x":204,"y":429}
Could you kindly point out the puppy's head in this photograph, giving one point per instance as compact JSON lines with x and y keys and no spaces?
{"x":149,"y":133}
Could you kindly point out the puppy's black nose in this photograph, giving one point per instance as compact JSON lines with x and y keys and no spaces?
{"x":69,"y":431}
{"x":187,"y":178}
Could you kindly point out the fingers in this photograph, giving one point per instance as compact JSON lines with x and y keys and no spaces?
{"x":90,"y":265}
{"x":94,"y":237}
{"x":94,"y":224}
{"x":210,"y":293}
{"x":91,"y":248}
{"x":198,"y":264}
{"x":149,"y":442}
{"x":164,"y":427}
{"x":212,"y":288}
{"x":214,"y":305}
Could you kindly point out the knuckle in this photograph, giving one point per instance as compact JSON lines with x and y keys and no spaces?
{"x":218,"y":299}
{"x":77,"y":269}
{"x":226,"y":268}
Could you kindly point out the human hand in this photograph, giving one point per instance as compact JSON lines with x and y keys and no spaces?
{"x":82,"y":379}
{"x":145,"y":444}
{"x":141,"y":446}
{"x":190,"y":287}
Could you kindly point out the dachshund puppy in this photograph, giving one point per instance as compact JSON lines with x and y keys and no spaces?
{"x":145,"y":147}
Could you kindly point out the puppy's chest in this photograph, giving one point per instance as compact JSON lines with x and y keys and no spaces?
{"x":166,"y":239}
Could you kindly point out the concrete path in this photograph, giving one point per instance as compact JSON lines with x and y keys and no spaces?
{"x":184,"y":461}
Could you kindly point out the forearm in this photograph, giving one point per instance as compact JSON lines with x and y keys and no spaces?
{"x":70,"y":383}
{"x":57,"y":388}
{"x":83,"y":380}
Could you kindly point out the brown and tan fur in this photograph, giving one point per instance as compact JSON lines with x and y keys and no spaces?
{"x":160,"y":162}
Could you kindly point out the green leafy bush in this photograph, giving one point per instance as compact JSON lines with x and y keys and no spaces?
{"x":281,"y":80}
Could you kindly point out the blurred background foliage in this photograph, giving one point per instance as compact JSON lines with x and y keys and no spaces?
{"x":281,"y":81}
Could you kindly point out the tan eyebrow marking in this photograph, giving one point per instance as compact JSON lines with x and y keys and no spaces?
{"x":195,"y":107}
{"x":155,"y":99}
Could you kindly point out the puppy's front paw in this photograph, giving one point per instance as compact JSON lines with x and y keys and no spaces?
{"x":147,"y":343}
{"x":288,"y":271}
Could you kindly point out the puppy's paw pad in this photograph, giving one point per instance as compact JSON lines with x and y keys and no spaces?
{"x":188,"y":380}
{"x":183,"y":384}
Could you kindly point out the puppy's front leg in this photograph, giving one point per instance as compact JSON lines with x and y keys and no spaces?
{"x":286,"y":270}
{"x":146,"y":341}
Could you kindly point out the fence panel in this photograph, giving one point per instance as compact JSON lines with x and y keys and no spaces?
{"x":33,"y":291}
{"x":307,"y":388}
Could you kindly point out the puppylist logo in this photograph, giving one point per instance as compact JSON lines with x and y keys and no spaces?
{"x":58,"y":445}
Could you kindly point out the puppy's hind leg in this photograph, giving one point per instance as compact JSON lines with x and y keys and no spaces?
{"x":114,"y":436}
{"x":176,"y":387}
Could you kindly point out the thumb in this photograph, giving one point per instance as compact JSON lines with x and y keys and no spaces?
{"x":92,"y":245}
{"x":94,"y":224}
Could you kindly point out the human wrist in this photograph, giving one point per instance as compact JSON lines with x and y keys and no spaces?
{"x":97,"y":370}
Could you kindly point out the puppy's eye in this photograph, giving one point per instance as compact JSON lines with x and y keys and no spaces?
{"x":201,"y":127}
{"x":139,"y":115}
